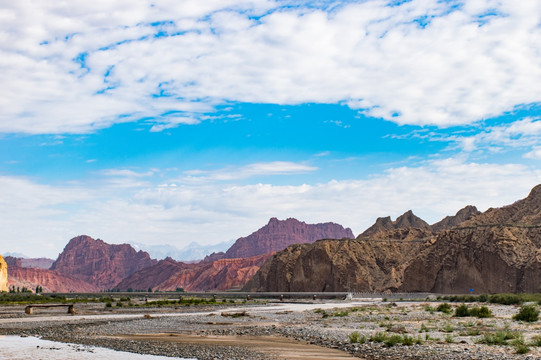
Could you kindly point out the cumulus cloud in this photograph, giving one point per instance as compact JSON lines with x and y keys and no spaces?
{"x":84,"y":66}
{"x":210,"y":212}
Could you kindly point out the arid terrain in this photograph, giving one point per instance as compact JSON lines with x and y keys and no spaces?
{"x":366,"y":328}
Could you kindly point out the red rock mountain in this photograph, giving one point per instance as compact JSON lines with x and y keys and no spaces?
{"x":234,"y":268}
{"x":49,"y":280}
{"x":279,"y":234}
{"x":98,"y":263}
{"x":168,"y":275}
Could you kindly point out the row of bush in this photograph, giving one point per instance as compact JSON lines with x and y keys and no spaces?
{"x":503,"y":299}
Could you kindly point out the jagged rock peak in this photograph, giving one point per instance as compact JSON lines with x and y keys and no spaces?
{"x":406,"y":220}
{"x":278,"y":234}
{"x":98,"y":263}
{"x":462,"y":215}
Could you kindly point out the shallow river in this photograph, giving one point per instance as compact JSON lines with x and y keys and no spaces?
{"x":32,"y":348}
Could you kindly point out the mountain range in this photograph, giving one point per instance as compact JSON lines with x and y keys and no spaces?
{"x":96,"y":265}
{"x":498,"y":250}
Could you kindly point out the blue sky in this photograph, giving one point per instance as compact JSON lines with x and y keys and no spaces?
{"x":171,"y":123}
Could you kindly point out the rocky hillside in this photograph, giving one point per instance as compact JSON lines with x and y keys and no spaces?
{"x":98,"y":263}
{"x":342,"y":265}
{"x":495,"y":251}
{"x":279,"y":234}
{"x":168,"y":275}
{"x":3,"y":275}
{"x":49,"y":280}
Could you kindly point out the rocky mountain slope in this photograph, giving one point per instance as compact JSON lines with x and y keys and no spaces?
{"x":168,"y":275}
{"x":279,"y":234}
{"x":49,"y":280}
{"x":342,"y":265}
{"x":495,"y":251}
{"x":3,"y":275}
{"x":232,"y":269}
{"x":98,"y":263}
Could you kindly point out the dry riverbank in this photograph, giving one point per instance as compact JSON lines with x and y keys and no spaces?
{"x":315,"y":330}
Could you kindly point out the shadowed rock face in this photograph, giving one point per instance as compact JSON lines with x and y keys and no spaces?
{"x":487,"y":259}
{"x":342,"y":265}
{"x":98,"y":263}
{"x":3,"y":275}
{"x":495,"y":251}
{"x":279,"y":234}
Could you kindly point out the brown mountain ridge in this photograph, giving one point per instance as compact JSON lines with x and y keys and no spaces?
{"x":495,"y":251}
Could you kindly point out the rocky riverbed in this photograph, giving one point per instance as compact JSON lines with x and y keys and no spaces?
{"x":368,"y":329}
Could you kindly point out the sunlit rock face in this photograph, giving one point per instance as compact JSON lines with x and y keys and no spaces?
{"x":3,"y":275}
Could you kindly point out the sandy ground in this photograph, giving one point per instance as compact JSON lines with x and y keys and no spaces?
{"x":279,"y":347}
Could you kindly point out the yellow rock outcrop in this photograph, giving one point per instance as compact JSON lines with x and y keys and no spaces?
{"x":3,"y":275}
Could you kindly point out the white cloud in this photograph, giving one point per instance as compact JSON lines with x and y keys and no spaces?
{"x":180,"y":213}
{"x":521,"y":134}
{"x":250,"y":170}
{"x":534,"y":154}
{"x":103,"y":62}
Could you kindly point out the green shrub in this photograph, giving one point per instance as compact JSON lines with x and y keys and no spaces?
{"x":378,"y":337}
{"x":498,"y":338}
{"x":506,"y":299}
{"x":393,"y":340}
{"x":520,"y":345}
{"x":536,"y":341}
{"x":462,"y":311}
{"x":408,"y":340}
{"x":448,"y":328}
{"x":528,"y":313}
{"x":355,"y":337}
{"x":444,"y":308}
{"x":480,"y":312}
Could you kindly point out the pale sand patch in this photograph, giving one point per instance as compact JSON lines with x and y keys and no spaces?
{"x":281,"y":347}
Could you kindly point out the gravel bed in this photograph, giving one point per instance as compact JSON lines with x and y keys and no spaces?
{"x":311,"y":327}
